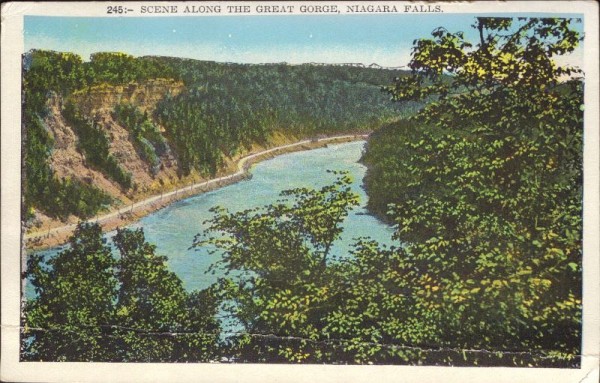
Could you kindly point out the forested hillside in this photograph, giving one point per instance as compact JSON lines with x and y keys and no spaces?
{"x":233,"y":105}
{"x":136,"y":125}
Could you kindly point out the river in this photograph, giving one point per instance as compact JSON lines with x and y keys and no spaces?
{"x":173,"y":228}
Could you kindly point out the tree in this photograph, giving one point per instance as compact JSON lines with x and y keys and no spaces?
{"x":90,"y":306}
{"x":285,"y":279}
{"x":158,"y":320}
{"x":487,"y":200}
{"x":72,"y":316}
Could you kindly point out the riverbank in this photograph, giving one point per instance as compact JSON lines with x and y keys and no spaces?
{"x":128,"y":214}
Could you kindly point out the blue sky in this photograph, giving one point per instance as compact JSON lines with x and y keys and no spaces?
{"x":383,"y":39}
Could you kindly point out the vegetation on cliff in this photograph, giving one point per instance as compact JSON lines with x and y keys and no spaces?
{"x":94,"y":144}
{"x":224,"y":108}
{"x":46,"y":73}
{"x":146,"y":136}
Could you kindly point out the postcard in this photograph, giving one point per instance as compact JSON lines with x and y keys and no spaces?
{"x":270,"y":191}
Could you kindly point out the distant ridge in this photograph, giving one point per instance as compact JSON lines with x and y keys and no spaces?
{"x":360,"y":65}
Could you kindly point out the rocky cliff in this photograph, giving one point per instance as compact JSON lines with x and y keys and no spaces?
{"x":145,"y":95}
{"x":97,"y":104}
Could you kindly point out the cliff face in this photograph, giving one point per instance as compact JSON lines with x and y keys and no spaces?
{"x":66,"y":160}
{"x":97,"y":104}
{"x":145,"y":95}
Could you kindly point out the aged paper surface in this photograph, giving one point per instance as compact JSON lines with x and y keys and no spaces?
{"x":269,"y":79}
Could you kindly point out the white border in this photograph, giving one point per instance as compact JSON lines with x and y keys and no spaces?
{"x":13,"y":370}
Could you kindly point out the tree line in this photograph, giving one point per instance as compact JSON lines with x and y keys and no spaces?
{"x":228,"y":107}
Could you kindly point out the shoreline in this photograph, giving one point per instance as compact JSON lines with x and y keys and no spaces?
{"x":126,"y":215}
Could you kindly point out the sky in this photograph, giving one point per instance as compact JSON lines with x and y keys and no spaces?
{"x":382,"y":39}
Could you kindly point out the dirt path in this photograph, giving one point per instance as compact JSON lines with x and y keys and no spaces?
{"x":137,"y":210}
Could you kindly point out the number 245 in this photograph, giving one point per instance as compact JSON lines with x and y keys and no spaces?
{"x":115,"y":9}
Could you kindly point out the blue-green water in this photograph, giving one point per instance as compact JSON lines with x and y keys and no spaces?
{"x":173,"y":228}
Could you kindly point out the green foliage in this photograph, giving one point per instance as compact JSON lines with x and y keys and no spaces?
{"x":120,"y":68}
{"x":158,"y":320}
{"x":145,"y":135}
{"x":38,"y":177}
{"x":66,"y":72}
{"x":485,"y":186}
{"x":69,"y":196}
{"x":93,"y":307}
{"x":205,"y":124}
{"x":95,"y":146}
{"x":71,"y":317}
{"x":47,"y":72}
{"x":285,"y":281}
{"x":229,"y":106}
